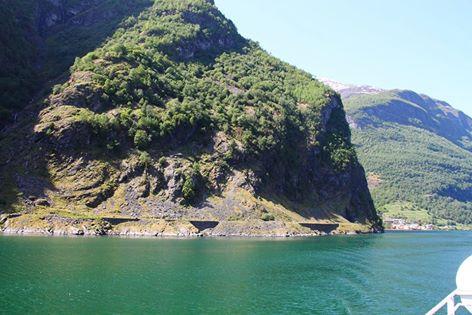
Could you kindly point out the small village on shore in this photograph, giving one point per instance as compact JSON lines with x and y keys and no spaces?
{"x":393,"y":224}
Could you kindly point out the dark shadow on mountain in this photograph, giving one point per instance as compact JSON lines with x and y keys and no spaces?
{"x":462,"y":195}
{"x":45,"y":37}
{"x":60,"y":32}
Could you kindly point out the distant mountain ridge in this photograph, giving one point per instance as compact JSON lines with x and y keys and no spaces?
{"x":347,"y":90}
{"x":416,"y":149}
{"x":368,"y":105}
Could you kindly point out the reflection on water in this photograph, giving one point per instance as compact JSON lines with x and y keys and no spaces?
{"x":394,"y":273}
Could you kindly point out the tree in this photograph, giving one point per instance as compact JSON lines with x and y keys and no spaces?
{"x":142,"y":139}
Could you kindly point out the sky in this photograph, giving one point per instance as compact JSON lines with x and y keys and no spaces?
{"x":420,"y":45}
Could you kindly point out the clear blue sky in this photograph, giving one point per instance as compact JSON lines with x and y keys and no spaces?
{"x":422,"y":45}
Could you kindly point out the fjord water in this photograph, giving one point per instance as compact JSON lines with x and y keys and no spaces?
{"x":393,"y":273}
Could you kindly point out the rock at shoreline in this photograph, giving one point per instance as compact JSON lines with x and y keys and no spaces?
{"x":59,"y":226}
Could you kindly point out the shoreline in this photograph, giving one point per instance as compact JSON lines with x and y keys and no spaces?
{"x":54,"y":225}
{"x":182,"y":237}
{"x":467,"y":229}
{"x":186,"y":237}
{"x":212,"y":236}
{"x":28,"y":232}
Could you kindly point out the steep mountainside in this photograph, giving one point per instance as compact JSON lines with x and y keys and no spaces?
{"x":41,"y":38}
{"x":177,"y":119}
{"x":417,"y":151}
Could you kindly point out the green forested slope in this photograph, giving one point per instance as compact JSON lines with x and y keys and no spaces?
{"x":417,"y":153}
{"x":176,"y":116}
{"x":417,"y":167}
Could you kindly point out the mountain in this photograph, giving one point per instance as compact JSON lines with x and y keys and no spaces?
{"x":41,"y":38}
{"x":171,"y":125}
{"x":417,"y":151}
{"x":347,"y":90}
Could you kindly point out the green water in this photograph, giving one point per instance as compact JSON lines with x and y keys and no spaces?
{"x":394,"y":273}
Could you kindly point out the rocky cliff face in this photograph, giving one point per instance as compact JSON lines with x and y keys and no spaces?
{"x":178,"y":119}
